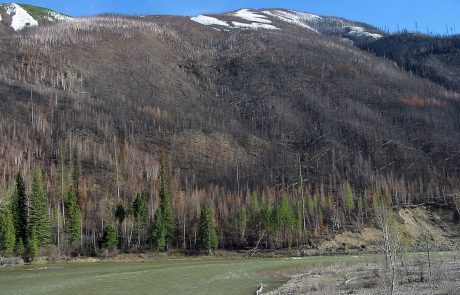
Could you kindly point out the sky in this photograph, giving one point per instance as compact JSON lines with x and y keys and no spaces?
{"x":432,"y":16}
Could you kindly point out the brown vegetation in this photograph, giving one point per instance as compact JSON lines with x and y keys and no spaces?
{"x":236,"y":112}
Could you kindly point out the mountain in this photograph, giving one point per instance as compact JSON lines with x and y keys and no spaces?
{"x":20,"y":16}
{"x":432,"y":57}
{"x":266,"y":101}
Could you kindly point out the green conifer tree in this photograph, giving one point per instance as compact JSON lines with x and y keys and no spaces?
{"x":73,"y":218}
{"x":20,"y":210}
{"x":32,"y":245}
{"x":7,"y":233}
{"x":267,"y":219}
{"x":285,"y":219}
{"x":207,"y":235}
{"x":141,"y":216}
{"x":120,"y":213}
{"x":348,"y":198}
{"x":39,"y":218}
{"x":159,"y":239}
{"x":109,"y":238}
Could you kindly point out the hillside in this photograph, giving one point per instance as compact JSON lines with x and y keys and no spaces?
{"x":272,"y":101}
{"x":19,"y":16}
{"x":433,"y":58}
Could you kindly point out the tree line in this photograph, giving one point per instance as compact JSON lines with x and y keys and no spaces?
{"x":31,"y":221}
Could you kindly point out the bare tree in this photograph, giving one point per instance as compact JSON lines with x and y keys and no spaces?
{"x":391,"y":238}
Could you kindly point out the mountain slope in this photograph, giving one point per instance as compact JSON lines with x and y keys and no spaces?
{"x":20,"y":16}
{"x":252,"y":114}
{"x":252,"y":103}
{"x":434,"y":58}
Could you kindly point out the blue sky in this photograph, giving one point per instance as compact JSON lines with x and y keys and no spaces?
{"x":437,"y":16}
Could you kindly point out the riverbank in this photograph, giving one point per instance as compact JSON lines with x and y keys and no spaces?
{"x":418,"y":275}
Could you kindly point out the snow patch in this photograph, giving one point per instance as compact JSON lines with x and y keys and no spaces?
{"x":293,"y":17}
{"x":248,"y":15}
{"x":54,"y":16}
{"x":360,"y":31}
{"x":20,"y":17}
{"x":209,"y":21}
{"x":303,"y":16}
{"x":254,"y":26}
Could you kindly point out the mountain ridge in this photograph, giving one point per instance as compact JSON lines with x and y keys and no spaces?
{"x":269,"y":18}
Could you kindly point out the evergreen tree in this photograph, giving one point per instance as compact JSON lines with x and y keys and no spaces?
{"x":284,"y":213}
{"x":207,"y":235}
{"x":7,"y":233}
{"x":20,"y":210}
{"x":32,"y":245}
{"x":73,"y":218}
{"x":348,"y":198}
{"x":109,"y":238}
{"x":39,"y":218}
{"x":163,"y":226}
{"x":267,"y":220}
{"x":141,"y":215}
{"x":120,"y":213}
{"x":159,"y":239}
{"x":165,"y":203}
{"x":285,"y":218}
{"x":19,"y":247}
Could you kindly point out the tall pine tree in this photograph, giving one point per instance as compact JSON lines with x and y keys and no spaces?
{"x":285,"y":219}
{"x":109,"y":239}
{"x":32,"y":245}
{"x":141,"y":216}
{"x":7,"y":233}
{"x":73,"y":218}
{"x":348,"y":199}
{"x":159,"y":240}
{"x":39,"y":218}
{"x":207,"y":236}
{"x":163,"y":226}
{"x":20,"y":211}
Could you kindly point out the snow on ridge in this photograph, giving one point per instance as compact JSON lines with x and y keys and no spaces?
{"x":209,"y":21}
{"x":20,"y":17}
{"x":294,"y":17}
{"x":360,"y":31}
{"x":54,"y":16}
{"x":254,"y":26}
{"x":305,"y":16}
{"x":248,"y":15}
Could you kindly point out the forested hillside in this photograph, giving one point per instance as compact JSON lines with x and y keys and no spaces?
{"x":267,"y":135}
{"x":434,"y":58}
